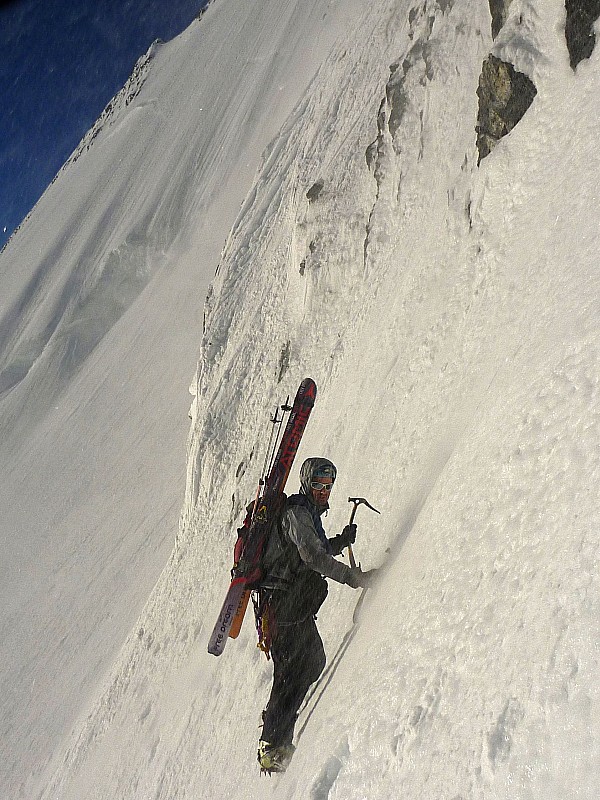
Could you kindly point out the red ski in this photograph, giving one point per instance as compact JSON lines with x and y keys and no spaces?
{"x":247,"y":571}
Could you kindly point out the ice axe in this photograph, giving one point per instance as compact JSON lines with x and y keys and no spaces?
{"x":357,"y":502}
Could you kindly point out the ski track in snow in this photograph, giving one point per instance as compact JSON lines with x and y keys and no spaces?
{"x":449,"y":315}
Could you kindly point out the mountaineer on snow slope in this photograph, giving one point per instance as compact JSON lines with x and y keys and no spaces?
{"x":297,"y":557}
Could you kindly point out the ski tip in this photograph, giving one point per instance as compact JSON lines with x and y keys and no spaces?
{"x":308,"y":388}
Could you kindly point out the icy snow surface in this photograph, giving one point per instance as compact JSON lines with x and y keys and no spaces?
{"x":449,"y":315}
{"x":101,"y":309}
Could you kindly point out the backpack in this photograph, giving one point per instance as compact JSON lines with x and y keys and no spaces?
{"x":290,"y":602}
{"x":253,"y":539}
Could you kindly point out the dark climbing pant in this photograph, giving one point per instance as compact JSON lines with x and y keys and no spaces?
{"x":298,"y":660}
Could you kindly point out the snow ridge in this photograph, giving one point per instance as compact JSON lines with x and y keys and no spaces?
{"x":118,"y":104}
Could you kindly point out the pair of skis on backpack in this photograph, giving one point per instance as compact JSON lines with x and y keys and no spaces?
{"x":246,"y":573}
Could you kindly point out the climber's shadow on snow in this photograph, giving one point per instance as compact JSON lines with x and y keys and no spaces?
{"x":329,"y":774}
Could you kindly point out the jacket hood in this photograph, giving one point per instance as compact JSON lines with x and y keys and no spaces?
{"x":313,"y":466}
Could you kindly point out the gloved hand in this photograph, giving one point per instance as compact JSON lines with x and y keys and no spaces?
{"x":348,"y":535}
{"x":357,"y":578}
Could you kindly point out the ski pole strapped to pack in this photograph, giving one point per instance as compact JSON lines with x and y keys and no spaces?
{"x":247,"y":571}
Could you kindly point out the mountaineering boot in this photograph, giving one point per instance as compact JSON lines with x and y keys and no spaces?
{"x":274,"y":758}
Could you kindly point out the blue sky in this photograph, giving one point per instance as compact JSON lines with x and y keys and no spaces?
{"x":61,"y":61}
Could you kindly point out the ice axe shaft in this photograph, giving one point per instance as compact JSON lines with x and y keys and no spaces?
{"x":357,"y":502}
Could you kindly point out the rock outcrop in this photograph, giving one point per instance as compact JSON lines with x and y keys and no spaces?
{"x":504,"y":93}
{"x":579,"y":28}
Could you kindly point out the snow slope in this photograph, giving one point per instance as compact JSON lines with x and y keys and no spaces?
{"x":101,"y":310}
{"x":448,"y":313}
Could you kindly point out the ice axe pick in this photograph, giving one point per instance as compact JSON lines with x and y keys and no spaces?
{"x":357,"y":502}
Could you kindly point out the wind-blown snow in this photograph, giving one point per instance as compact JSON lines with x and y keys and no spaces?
{"x":101,"y":311}
{"x":449,"y":315}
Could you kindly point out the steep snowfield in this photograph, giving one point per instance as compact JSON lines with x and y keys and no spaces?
{"x":101,"y":307}
{"x":449,"y":314}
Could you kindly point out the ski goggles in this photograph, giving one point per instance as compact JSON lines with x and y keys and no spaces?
{"x":321,"y":487}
